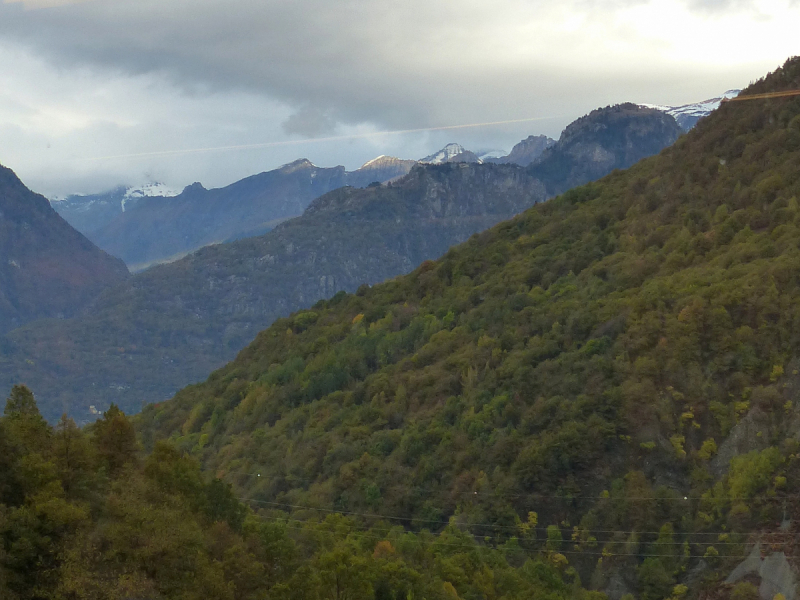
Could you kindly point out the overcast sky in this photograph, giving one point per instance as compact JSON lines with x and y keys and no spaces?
{"x":95,"y":93}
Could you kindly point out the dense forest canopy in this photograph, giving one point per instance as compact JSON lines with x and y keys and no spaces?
{"x":85,"y":515}
{"x":619,"y":363}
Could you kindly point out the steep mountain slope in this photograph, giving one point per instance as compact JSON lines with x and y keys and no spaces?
{"x":622,"y":360}
{"x":47,"y":269}
{"x":610,"y":138}
{"x":173,"y":324}
{"x":526,"y":151}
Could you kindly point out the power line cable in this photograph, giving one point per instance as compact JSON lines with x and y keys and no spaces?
{"x":765,"y":96}
{"x":335,"y":138}
{"x":534,"y":495}
{"x":369,"y":534}
{"x":488,"y":525}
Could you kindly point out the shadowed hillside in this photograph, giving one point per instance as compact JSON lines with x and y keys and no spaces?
{"x":47,"y":269}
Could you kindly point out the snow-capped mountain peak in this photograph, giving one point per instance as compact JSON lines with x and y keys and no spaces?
{"x":148,"y":190}
{"x":687,"y":115}
{"x":443,"y":155}
{"x":151,"y":189}
{"x":378,"y":161}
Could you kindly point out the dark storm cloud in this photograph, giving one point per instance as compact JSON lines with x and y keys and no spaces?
{"x":397,"y":64}
{"x":401,"y":64}
{"x":345,"y":59}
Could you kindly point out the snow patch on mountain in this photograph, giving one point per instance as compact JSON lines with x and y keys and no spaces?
{"x":151,"y":189}
{"x":446,"y":154}
{"x":492,"y":154}
{"x":374,"y":161}
{"x":687,"y":115}
{"x":148,"y":190}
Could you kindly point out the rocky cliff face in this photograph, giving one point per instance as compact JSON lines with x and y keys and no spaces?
{"x":174,"y":323}
{"x":47,"y":269}
{"x":609,"y":138}
{"x":526,"y":151}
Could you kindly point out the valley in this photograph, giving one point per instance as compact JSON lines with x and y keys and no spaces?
{"x":173,"y":324}
{"x":567,"y":372}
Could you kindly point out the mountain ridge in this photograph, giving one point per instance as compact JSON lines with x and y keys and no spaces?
{"x":48,"y":269}
{"x":157,"y":228}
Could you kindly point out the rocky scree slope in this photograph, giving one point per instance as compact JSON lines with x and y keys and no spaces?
{"x":47,"y":269}
{"x":618,"y":365}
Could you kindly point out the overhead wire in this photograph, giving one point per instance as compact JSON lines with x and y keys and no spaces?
{"x":488,"y":525}
{"x":335,"y":138}
{"x":312,"y":527}
{"x":535,"y":495}
{"x":765,"y":96}
{"x":369,"y":134}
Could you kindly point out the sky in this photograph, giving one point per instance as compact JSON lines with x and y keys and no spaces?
{"x":97,"y":93}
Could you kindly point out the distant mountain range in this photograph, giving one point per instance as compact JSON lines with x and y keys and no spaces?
{"x":154,"y":224}
{"x":89,"y":212}
{"x":47,"y":269}
{"x":146,"y":228}
{"x":174,"y":323}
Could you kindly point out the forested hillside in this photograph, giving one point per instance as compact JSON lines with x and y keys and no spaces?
{"x":84,"y":515}
{"x":615,"y":369}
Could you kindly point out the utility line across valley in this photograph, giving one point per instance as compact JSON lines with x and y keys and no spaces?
{"x":335,"y":138}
